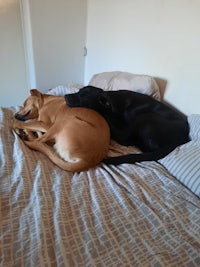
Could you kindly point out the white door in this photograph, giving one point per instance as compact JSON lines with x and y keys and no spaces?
{"x":55,"y":33}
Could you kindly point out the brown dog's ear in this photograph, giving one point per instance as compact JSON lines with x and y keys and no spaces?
{"x":35,"y":92}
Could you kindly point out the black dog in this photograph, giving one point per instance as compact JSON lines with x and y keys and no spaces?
{"x":135,"y":119}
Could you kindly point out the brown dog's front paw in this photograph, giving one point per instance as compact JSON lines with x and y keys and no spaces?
{"x":22,"y":134}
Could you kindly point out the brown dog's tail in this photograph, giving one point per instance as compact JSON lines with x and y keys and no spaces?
{"x":51,"y":154}
{"x":133,"y":158}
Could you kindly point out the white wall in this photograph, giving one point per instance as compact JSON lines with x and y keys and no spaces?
{"x":156,"y":37}
{"x":58,"y":32}
{"x":13,"y":85}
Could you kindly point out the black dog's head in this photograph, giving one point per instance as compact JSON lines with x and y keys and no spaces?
{"x":90,"y":97}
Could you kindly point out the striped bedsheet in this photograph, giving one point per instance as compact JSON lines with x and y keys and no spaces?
{"x":129,"y":215}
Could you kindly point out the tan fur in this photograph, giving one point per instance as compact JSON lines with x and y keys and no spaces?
{"x":80,"y":136}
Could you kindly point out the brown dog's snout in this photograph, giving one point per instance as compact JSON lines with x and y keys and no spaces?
{"x":21,"y":117}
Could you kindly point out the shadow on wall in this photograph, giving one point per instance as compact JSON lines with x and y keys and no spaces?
{"x":162,"y":84}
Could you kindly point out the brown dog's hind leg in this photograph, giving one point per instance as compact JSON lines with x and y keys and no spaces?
{"x":81,"y":165}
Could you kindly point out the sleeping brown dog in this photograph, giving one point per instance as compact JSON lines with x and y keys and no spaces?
{"x":75,"y":139}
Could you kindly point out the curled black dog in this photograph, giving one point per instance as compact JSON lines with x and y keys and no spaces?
{"x":135,"y":119}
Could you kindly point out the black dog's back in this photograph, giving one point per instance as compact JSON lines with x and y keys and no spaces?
{"x":134,"y":103}
{"x":138,"y":119}
{"x":135,"y":119}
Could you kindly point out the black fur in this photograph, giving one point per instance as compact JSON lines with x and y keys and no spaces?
{"x":135,"y":119}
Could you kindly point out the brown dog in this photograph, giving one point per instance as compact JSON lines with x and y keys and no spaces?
{"x":80,"y":136}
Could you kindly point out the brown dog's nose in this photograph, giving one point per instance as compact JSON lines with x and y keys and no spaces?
{"x":19,"y":117}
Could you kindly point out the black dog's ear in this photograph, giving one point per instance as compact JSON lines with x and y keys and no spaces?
{"x":104,"y":101}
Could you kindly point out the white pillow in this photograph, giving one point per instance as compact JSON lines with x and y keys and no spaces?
{"x":115,"y":80}
{"x":61,"y":90}
{"x":194,"y":122}
{"x":118,"y":80}
{"x":184,"y":162}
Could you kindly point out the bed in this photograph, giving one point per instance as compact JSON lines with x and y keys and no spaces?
{"x":144,"y":214}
